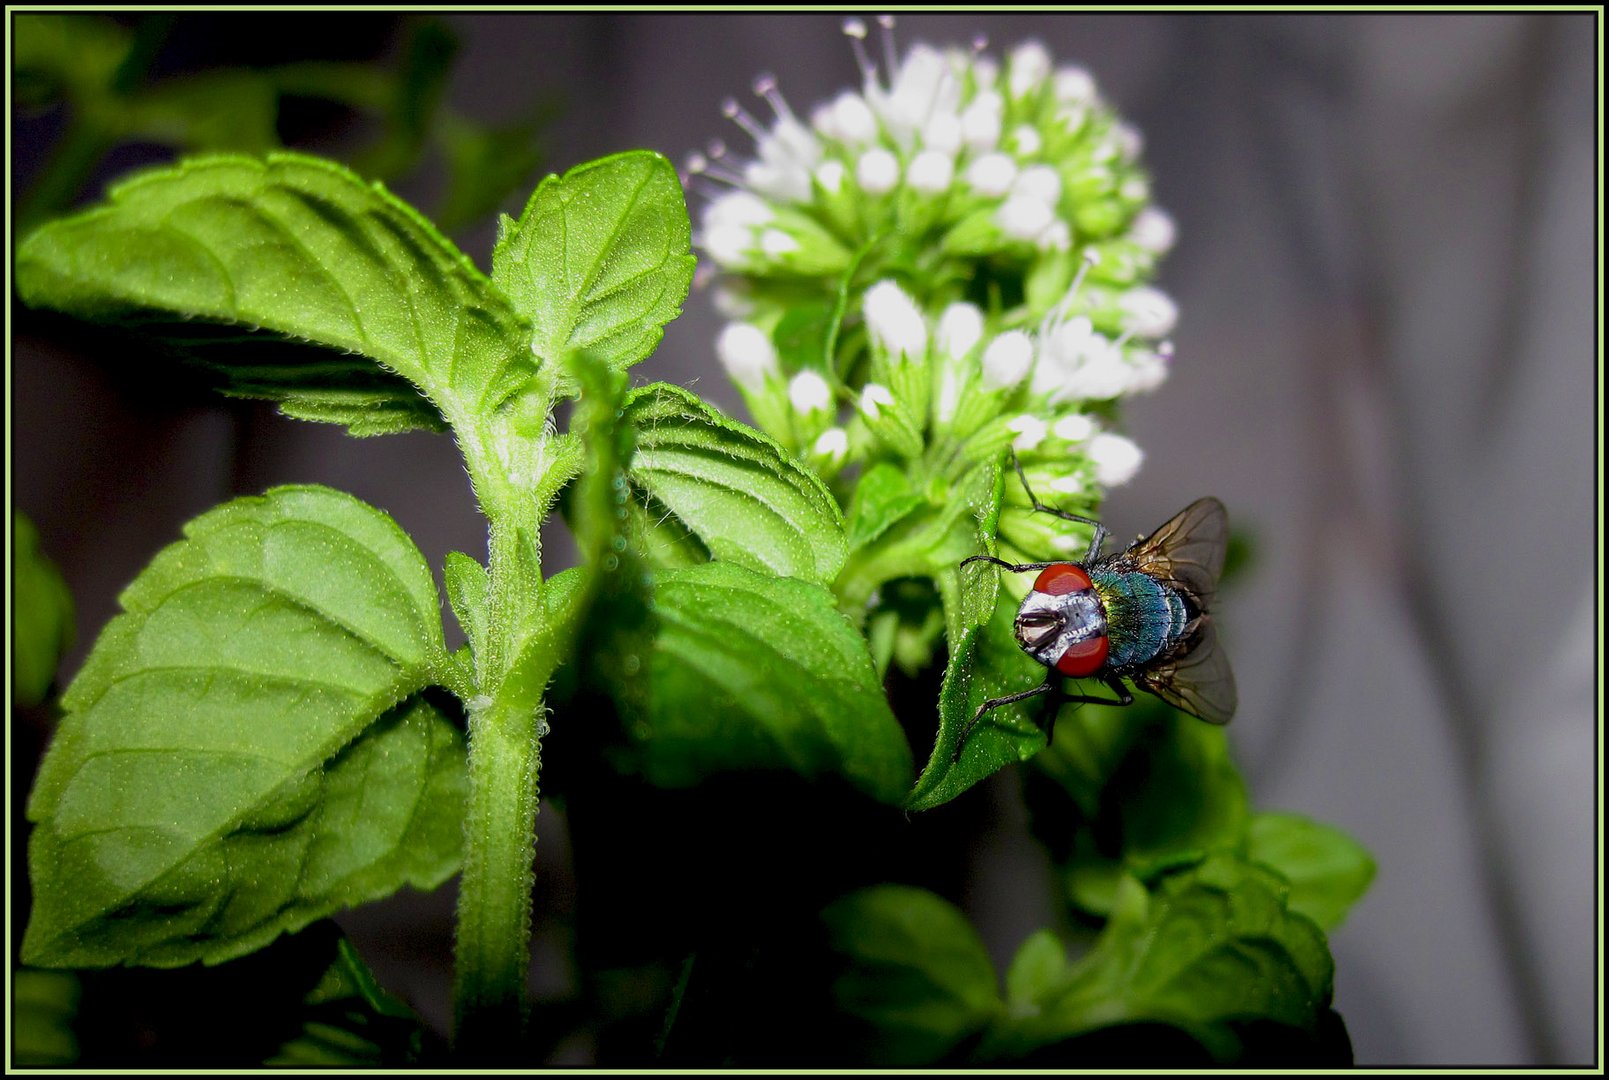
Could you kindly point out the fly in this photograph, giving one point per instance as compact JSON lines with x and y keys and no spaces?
{"x":1140,"y":614}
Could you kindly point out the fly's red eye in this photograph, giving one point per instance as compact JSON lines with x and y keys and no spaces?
{"x":1060,"y":579}
{"x":1083,"y":658}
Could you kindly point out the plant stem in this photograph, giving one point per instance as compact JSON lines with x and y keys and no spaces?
{"x":494,"y":900}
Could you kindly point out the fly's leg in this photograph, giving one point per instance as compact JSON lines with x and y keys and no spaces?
{"x":1015,"y":568}
{"x":994,"y":703}
{"x":1116,"y":686}
{"x":1065,"y":515}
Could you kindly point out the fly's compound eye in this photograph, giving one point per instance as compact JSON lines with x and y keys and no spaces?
{"x":1036,"y":628}
{"x":1062,"y":578}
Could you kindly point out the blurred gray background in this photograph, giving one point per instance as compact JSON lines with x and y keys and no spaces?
{"x":1386,"y":367}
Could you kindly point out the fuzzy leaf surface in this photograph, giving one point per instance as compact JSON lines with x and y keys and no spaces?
{"x":244,"y":750}
{"x":750,"y":671}
{"x":294,"y":249}
{"x":600,"y":260}
{"x":738,"y":491}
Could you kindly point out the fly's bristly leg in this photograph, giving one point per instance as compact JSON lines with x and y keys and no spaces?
{"x":1115,"y":684}
{"x":1066,"y":515}
{"x":994,"y":703}
{"x":1015,"y":568}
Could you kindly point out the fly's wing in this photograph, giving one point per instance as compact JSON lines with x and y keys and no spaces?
{"x":1188,"y":551}
{"x":1197,"y":680}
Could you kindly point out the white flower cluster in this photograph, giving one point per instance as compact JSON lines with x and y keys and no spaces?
{"x":1020,"y":195}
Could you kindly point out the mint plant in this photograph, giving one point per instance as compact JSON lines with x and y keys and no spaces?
{"x":767,"y":628}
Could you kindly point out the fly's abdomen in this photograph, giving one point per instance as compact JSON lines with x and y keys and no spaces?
{"x":1143,"y":616}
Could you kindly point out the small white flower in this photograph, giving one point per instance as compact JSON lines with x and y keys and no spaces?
{"x":1129,"y":140}
{"x":874,"y":398}
{"x":1068,"y":484}
{"x":1150,"y":371}
{"x":992,"y":174}
{"x":895,"y":322}
{"x":1027,"y":141}
{"x":1028,"y":64}
{"x":1007,"y":359}
{"x":930,"y":172}
{"x":1135,"y":189}
{"x":942,"y":132}
{"x":1024,"y":217}
{"x":877,"y":171}
{"x":949,"y":397}
{"x":1153,"y":230}
{"x":1030,"y":431}
{"x":830,"y":175}
{"x":853,"y":120}
{"x":737,"y":208}
{"x":960,"y":329}
{"x":1149,"y":312}
{"x":832,"y":444}
{"x":1074,"y":85}
{"x":809,"y":393}
{"x":776,"y":243}
{"x":1040,"y":181}
{"x":1115,"y":457}
{"x":747,"y":354}
{"x":1074,"y":428}
{"x":981,"y":122}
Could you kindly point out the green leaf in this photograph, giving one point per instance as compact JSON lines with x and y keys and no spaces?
{"x":740,"y":492}
{"x":1039,"y":967}
{"x":600,"y":260}
{"x":1213,"y":950}
{"x":41,"y":615}
{"x":1178,"y":795}
{"x":351,"y":1020}
{"x":243,"y":751}
{"x":916,"y":974}
{"x":44,"y":1005}
{"x":467,"y":587}
{"x":883,"y":497}
{"x":751,"y":672}
{"x":988,"y":663}
{"x":298,"y":249}
{"x":1327,"y":869}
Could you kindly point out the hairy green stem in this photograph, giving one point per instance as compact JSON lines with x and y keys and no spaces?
{"x":494,"y":899}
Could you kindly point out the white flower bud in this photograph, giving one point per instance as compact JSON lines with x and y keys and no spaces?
{"x":992,"y":174}
{"x":1030,"y":431}
{"x":1058,"y":237}
{"x":960,"y":329}
{"x":1029,"y":63}
{"x":830,"y":175}
{"x":1027,"y":141}
{"x":1074,"y":85}
{"x":747,"y":354}
{"x":809,"y":393}
{"x":1007,"y":359}
{"x":1040,"y":181}
{"x":737,"y":208}
{"x":877,"y":171}
{"x":874,"y":398}
{"x":832,"y":444}
{"x":981,"y":122}
{"x":1150,"y":312}
{"x":1024,"y":217}
{"x":1153,"y":230}
{"x":894,"y":321}
{"x":942,"y":132}
{"x":776,"y":243}
{"x":1074,"y":429}
{"x":1115,"y":457}
{"x":728,"y":245}
{"x":930,"y":172}
{"x":853,"y":119}
{"x":1130,"y":142}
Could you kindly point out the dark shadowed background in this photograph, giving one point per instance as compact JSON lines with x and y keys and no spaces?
{"x":1386,"y":367}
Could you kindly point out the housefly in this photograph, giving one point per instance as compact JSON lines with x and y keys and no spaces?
{"x":1140,"y":614}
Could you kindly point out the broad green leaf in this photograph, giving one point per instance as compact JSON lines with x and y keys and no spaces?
{"x":745,"y":498}
{"x":350,"y":1020}
{"x":600,"y":260}
{"x":41,"y":615}
{"x":295,"y":248}
{"x":466,"y":591}
{"x":1178,"y":795}
{"x":915,"y":973}
{"x":44,"y":1005}
{"x":987,"y":664}
{"x":883,"y":496}
{"x":1327,"y":869}
{"x":1038,"y":968}
{"x":243,"y":751}
{"x":750,"y":671}
{"x":1211,"y":951}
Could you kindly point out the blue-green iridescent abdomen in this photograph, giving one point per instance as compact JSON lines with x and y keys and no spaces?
{"x":1143,"y":616}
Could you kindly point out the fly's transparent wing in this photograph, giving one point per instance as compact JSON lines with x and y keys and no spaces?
{"x":1197,"y":680}
{"x":1187,"y":552}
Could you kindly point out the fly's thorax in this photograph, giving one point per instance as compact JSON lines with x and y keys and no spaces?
{"x":1062,"y":622}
